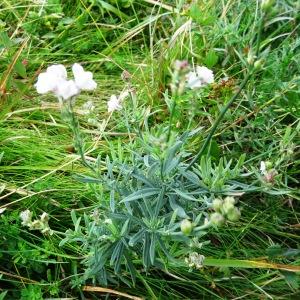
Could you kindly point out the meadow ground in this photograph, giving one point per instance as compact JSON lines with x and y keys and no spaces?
{"x":182,"y":189}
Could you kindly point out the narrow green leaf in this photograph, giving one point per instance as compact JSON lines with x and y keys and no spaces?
{"x":143,"y":193}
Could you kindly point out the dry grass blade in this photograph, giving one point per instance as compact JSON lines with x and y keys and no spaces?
{"x":88,"y":288}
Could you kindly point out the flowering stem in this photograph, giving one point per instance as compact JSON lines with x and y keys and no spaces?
{"x":217,"y":122}
{"x":171,"y":119}
{"x":233,"y":98}
{"x":74,"y":125}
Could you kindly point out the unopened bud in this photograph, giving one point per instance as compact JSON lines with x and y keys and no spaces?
{"x":44,"y":217}
{"x":186,"y":227}
{"x":180,"y":65}
{"x":258,"y":65}
{"x":250,"y":58}
{"x":234,"y":214}
{"x":229,"y":199}
{"x":266,"y":5}
{"x":227,"y":207}
{"x":217,"y":204}
{"x":217,"y":219}
{"x":126,"y":76}
{"x":269,"y":165}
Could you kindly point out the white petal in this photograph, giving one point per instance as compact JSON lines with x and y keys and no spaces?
{"x":45,"y":83}
{"x":84,"y":80}
{"x":77,"y":69}
{"x":67,"y":89}
{"x":262,"y":166}
{"x":113,"y":104}
{"x":57,"y":70}
{"x":206,"y":75}
{"x":193,"y":81}
{"x":123,"y":95}
{"x":49,"y":80}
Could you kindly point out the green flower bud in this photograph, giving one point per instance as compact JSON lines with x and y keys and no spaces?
{"x":250,"y":58}
{"x":258,"y":65}
{"x":186,"y":227}
{"x":229,"y":200}
{"x":266,"y":5}
{"x":217,"y":219}
{"x":228,"y":204}
{"x":234,"y":215}
{"x":269,"y":165}
{"x":227,"y":207}
{"x":217,"y":204}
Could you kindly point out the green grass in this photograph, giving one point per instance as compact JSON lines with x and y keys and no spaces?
{"x":39,"y":169}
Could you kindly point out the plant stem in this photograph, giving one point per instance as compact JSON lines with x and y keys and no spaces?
{"x":171,"y":119}
{"x":74,"y":124}
{"x":217,"y":122}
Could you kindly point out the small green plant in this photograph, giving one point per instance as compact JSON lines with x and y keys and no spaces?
{"x":154,"y":204}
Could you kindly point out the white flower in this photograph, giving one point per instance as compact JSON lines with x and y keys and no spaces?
{"x":55,"y":80}
{"x":88,"y":106}
{"x":66,"y":89}
{"x":193,"y":82}
{"x":113,"y":104}
{"x":206,"y":75}
{"x":84,"y":80}
{"x":49,"y":80}
{"x":44,"y":217}
{"x":202,"y":76}
{"x":263,"y":167}
{"x":26,"y":217}
{"x":123,"y":95}
{"x":108,"y":221}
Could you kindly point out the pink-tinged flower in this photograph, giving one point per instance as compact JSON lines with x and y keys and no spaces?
{"x":84,"y":80}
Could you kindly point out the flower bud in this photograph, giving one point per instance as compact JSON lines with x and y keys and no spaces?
{"x":234,"y":214}
{"x":269,"y":165}
{"x":250,"y":58}
{"x":227,"y":207}
{"x":266,"y":5}
{"x":181,"y":65}
{"x":217,"y":219}
{"x":258,"y":65}
{"x":229,"y":200}
{"x":217,"y":204}
{"x":186,"y":227}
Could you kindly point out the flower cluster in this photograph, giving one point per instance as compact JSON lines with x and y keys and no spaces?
{"x":39,"y":224}
{"x":183,"y":78}
{"x":55,"y":80}
{"x":195,"y":260}
{"x":267,"y":171}
{"x":224,"y":209}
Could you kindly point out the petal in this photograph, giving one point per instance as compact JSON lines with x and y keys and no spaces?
{"x":84,"y":80}
{"x":206,"y":75}
{"x":58,"y":71}
{"x":193,"y":81}
{"x":77,"y":69}
{"x":67,"y":89}
{"x":123,"y":95}
{"x":44,"y":83}
{"x":113,"y":104}
{"x":262,"y":166}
